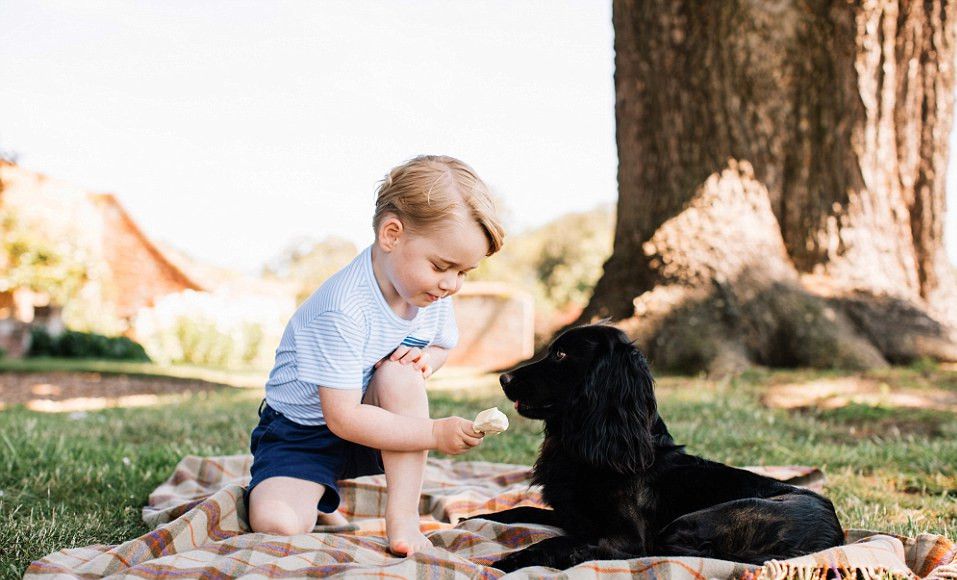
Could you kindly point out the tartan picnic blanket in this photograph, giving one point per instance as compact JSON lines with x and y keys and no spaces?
{"x":200,"y":531}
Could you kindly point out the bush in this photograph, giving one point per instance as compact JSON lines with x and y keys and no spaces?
{"x":41,"y":343}
{"x":73,"y":344}
{"x":309,"y":262}
{"x":213,"y":330}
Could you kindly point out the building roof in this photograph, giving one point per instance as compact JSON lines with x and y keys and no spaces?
{"x":137,"y":270}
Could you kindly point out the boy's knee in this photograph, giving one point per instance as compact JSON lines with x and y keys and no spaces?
{"x":271,"y":524}
{"x":393,"y":374}
{"x":276,"y":518}
{"x":399,"y":388}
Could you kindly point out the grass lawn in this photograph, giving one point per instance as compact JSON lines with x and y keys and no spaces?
{"x":76,"y":479}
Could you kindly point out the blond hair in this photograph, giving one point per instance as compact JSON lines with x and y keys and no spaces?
{"x":429,"y":189}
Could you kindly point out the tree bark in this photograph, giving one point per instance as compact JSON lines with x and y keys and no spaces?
{"x":823,"y":126}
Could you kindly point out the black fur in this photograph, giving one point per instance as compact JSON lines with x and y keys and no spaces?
{"x":620,"y":487}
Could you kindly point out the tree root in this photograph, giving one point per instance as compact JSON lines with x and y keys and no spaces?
{"x":724,"y":296}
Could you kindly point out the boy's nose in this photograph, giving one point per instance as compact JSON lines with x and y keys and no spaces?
{"x":447,"y":284}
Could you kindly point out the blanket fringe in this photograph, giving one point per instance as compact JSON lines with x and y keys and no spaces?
{"x":945,"y":572}
{"x":777,"y":570}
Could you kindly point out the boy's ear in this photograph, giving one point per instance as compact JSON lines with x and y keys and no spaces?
{"x":390,"y":232}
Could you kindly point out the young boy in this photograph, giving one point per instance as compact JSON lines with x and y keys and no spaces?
{"x":347,"y":396}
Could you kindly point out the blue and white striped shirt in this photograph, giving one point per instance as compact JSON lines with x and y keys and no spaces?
{"x":336,"y":336}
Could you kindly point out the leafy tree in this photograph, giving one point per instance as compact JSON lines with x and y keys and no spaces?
{"x":558,"y":263}
{"x":310,"y":262}
{"x":42,"y":261}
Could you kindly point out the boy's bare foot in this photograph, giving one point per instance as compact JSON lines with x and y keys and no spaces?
{"x":405,"y":538}
{"x":333,"y":519}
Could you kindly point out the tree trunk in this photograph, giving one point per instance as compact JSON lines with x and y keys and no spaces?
{"x":781,"y":182}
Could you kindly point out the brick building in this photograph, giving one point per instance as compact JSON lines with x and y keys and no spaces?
{"x":132,"y":273}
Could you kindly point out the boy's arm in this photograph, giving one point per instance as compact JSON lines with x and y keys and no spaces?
{"x":372,"y":426}
{"x":437,"y":357}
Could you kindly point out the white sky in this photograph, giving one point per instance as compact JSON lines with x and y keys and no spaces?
{"x":227,"y":128}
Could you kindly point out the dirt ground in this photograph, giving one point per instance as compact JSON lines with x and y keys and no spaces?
{"x":77,"y":391}
{"x":900,"y":403}
{"x":831,"y":393}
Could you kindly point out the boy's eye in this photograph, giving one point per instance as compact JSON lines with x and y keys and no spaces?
{"x":437,"y":268}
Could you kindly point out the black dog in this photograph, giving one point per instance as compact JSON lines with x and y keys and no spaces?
{"x":619,"y":486}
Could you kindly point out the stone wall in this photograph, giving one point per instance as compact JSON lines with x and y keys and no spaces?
{"x":496,"y":326}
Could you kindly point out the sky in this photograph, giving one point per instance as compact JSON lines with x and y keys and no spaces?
{"x":228,"y":129}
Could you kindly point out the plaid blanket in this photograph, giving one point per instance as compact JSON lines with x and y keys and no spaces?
{"x":200,"y":531}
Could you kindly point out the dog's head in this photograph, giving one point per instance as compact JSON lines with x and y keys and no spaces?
{"x":595,"y":393}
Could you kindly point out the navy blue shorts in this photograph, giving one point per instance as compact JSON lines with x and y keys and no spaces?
{"x":282,"y":447}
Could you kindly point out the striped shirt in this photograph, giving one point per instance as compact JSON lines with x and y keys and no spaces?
{"x":336,"y":336}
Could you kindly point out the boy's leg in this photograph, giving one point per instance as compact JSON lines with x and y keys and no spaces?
{"x":286,"y":506}
{"x":401,"y":389}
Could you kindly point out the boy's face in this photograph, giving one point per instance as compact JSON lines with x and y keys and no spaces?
{"x":423,"y":267}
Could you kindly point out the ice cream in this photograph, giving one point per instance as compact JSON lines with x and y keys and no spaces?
{"x":490,"y":421}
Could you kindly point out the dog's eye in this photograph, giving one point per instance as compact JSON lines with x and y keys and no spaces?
{"x":559,"y":355}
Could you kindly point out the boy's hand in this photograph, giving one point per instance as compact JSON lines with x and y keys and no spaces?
{"x":454,"y":435}
{"x":418,"y":358}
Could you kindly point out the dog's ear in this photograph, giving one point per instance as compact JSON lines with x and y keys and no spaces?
{"x":608,"y":422}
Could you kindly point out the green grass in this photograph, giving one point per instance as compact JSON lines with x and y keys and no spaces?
{"x":71,"y":480}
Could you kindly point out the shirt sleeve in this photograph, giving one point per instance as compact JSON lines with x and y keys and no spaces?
{"x":448,"y":334}
{"x":328,"y":351}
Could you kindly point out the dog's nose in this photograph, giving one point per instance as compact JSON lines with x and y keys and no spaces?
{"x":505,"y":379}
